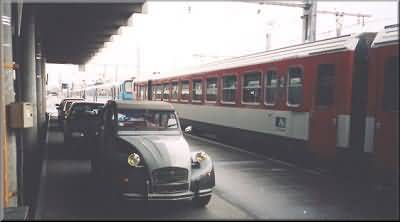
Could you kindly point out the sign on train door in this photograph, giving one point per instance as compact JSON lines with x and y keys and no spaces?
{"x":323,"y":120}
{"x":387,"y":112}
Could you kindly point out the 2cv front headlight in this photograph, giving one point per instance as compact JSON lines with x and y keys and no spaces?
{"x":200,"y":156}
{"x":133,"y":159}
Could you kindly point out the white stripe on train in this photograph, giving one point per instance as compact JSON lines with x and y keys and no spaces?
{"x":263,"y":121}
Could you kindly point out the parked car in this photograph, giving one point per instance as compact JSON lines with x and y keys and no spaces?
{"x":144,"y":156}
{"x":62,"y":108}
{"x":82,"y":119}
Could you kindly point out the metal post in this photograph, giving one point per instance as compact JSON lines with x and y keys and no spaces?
{"x":116,"y":73}
{"x":267,"y":41}
{"x":2,"y":118}
{"x":39,"y":89}
{"x":7,"y":96}
{"x":339,"y":23}
{"x":138,"y":61}
{"x":44,"y":84}
{"x":309,"y":20}
{"x":17,"y":55}
{"x":313,"y":21}
{"x":28,"y":85}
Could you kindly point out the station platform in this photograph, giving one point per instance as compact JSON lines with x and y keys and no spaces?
{"x":248,"y":186}
{"x":16,"y":213}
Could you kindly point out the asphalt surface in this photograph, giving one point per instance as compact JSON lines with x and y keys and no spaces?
{"x":248,"y":186}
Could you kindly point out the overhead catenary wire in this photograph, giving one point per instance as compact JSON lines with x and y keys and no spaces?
{"x":356,"y":24}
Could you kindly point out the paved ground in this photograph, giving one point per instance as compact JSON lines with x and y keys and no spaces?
{"x":248,"y":186}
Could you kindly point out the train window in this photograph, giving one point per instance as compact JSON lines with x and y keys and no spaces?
{"x":211,"y":91}
{"x":141,"y":95}
{"x":128,"y":86}
{"x":271,"y":87}
{"x":185,"y":90}
{"x":229,"y":88}
{"x":166,"y":91}
{"x":153,"y":92}
{"x":251,"y":87}
{"x":159,"y":91}
{"x":197,"y":89}
{"x":295,"y":86}
{"x":145,"y":94}
{"x":103,"y":94}
{"x":174,"y":95}
{"x":325,"y":85}
{"x":391,"y":85}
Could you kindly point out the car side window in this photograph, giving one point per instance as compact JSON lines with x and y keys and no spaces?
{"x":71,"y":110}
{"x":113,"y":117}
{"x":107,"y":123}
{"x":61,"y":107}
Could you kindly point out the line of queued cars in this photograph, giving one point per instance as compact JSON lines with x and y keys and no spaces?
{"x":140,"y":151}
{"x":79,"y":118}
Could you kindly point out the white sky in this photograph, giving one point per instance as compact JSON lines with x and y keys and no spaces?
{"x":168,"y":37}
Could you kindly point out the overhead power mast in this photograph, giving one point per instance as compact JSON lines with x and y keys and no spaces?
{"x":340,"y":18}
{"x":309,"y":20}
{"x":309,"y":16}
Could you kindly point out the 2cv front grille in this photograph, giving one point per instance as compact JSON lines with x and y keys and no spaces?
{"x":170,"y":175}
{"x":170,"y":180}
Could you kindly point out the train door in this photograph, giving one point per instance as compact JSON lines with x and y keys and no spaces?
{"x":121,"y":91}
{"x":95,"y":95}
{"x":149,"y":90}
{"x":359,"y":98}
{"x":387,"y":111}
{"x":323,"y":116}
{"x":142,"y":92}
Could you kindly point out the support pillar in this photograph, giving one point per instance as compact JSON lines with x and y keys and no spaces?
{"x":28,"y":94}
{"x":7,"y":144}
{"x":309,"y":21}
{"x":44,"y":84}
{"x":39,"y":89}
{"x":2,"y":125}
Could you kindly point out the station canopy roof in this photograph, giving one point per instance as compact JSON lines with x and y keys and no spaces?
{"x":72,"y":31}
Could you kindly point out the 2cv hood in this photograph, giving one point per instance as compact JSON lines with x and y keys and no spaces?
{"x":160,"y":151}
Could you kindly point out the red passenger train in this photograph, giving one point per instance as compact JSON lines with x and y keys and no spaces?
{"x":333,"y":100}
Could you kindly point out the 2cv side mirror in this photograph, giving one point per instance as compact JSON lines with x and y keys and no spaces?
{"x":57,"y":106}
{"x":188,"y":129}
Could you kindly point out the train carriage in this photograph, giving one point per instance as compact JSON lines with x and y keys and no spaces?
{"x":105,"y":92}
{"x":78,"y":93}
{"x":309,"y":99}
{"x":382,"y":122}
{"x":125,"y":90}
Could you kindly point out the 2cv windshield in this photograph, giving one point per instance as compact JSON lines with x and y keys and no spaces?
{"x":148,"y":120}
